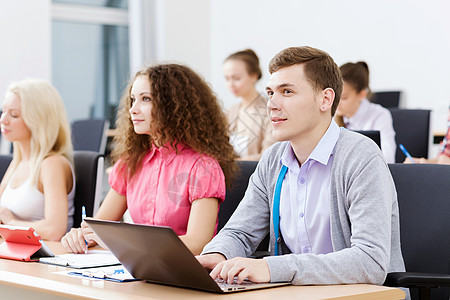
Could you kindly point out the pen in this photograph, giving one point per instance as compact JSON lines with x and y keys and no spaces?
{"x":406,"y":153}
{"x":83,"y":216}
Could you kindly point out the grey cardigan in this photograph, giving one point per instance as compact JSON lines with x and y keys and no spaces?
{"x":364,"y":219}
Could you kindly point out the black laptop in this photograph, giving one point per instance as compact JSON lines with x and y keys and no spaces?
{"x":157,"y":254}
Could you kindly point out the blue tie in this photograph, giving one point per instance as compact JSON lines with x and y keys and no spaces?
{"x":276,"y":207}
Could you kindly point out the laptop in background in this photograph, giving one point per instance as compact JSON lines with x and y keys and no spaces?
{"x":156,"y":254}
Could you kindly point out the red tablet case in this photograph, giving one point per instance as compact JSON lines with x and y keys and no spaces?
{"x":22,"y":243}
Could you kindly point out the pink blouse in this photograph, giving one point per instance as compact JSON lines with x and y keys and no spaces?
{"x":162,"y":191}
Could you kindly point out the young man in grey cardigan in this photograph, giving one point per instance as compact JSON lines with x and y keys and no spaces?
{"x":335,"y":213}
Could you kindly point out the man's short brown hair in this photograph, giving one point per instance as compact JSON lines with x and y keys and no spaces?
{"x":320,"y":69}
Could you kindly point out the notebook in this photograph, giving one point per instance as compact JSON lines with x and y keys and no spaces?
{"x":22,"y":243}
{"x":156,"y":254}
{"x":94,"y":258}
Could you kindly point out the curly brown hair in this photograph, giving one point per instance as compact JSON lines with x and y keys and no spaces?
{"x":185,"y":110}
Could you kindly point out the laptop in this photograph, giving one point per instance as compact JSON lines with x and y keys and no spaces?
{"x":156,"y":254}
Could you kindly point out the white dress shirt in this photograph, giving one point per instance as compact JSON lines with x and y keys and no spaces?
{"x":305,"y":197}
{"x":372,"y":116}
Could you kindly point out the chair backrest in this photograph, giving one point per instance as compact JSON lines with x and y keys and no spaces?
{"x":89,"y":175}
{"x":412,"y":129}
{"x":372,"y":134}
{"x":5,"y":160}
{"x":234,"y":196}
{"x":424,"y":204}
{"x":90,"y":135}
{"x":386,"y":98}
{"x":236,"y":192}
{"x":5,"y":145}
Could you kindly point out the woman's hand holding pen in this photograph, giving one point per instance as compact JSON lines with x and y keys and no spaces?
{"x":90,"y":237}
{"x":75,"y":240}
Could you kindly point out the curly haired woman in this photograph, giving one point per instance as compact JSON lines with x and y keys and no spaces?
{"x":173,"y":158}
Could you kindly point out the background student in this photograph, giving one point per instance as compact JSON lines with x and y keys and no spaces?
{"x":355,"y":112}
{"x":444,"y":153}
{"x":173,"y":158}
{"x":249,"y":124}
{"x":38,"y":188}
{"x":338,"y":213}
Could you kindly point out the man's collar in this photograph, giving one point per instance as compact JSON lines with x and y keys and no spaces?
{"x":321,"y":153}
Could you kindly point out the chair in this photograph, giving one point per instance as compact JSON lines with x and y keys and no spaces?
{"x":388,"y":99}
{"x":424,"y":205}
{"x":5,"y":160}
{"x":412,"y":129}
{"x":372,"y":134}
{"x":6,"y":147}
{"x":90,"y":135}
{"x":233,"y":198}
{"x":89,"y":174}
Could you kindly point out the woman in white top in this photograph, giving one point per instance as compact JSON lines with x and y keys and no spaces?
{"x":38,"y":188}
{"x":355,"y":112}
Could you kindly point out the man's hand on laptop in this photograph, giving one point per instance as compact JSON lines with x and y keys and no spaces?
{"x":209,"y":261}
{"x":255,"y":270}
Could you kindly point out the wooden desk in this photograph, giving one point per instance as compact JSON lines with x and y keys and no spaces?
{"x":22,"y":280}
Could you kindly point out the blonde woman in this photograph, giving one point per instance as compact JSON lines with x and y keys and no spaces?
{"x":38,"y":188}
{"x":250,"y":128}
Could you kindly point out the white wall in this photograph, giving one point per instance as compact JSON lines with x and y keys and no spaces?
{"x":25,"y":41}
{"x":406,"y":43}
{"x":183,"y":33}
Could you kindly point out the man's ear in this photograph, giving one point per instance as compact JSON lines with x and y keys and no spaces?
{"x":327,"y":99}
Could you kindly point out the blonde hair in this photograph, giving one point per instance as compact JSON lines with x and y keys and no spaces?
{"x":44,"y":114}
